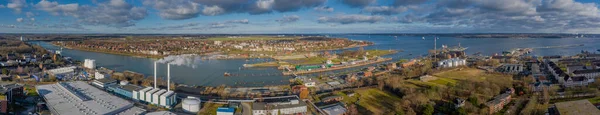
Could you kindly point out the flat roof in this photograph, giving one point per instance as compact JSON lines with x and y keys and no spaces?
{"x":226,"y":109}
{"x":581,"y":107}
{"x":129,"y":87}
{"x":161,"y":113}
{"x":106,"y":80}
{"x":63,"y":101}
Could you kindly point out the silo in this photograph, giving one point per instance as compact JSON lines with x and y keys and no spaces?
{"x":191,"y":104}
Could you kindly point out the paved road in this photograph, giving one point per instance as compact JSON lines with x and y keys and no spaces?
{"x":246,"y":109}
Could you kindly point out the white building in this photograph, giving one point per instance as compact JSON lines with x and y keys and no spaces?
{"x":453,"y":62}
{"x":63,"y":70}
{"x":160,"y":97}
{"x":101,"y":75}
{"x":89,"y":63}
{"x":588,"y":73}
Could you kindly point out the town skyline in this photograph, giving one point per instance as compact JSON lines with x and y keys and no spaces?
{"x":300,"y":16}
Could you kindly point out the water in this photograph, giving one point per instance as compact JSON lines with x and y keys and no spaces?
{"x":210,"y":72}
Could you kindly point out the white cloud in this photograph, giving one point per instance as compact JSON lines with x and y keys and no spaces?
{"x":212,"y":10}
{"x":19,"y":19}
{"x":323,"y":9}
{"x":113,"y":13}
{"x":350,"y":19}
{"x":17,"y":5}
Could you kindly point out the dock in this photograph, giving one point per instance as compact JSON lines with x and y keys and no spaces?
{"x":336,"y":68}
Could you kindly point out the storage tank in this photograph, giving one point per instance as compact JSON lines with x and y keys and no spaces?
{"x":124,"y":82}
{"x":191,"y":104}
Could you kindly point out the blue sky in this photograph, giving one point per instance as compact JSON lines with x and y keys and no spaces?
{"x":299,"y":16}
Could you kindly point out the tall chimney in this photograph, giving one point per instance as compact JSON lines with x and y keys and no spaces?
{"x":168,"y":77}
{"x":155,"y":75}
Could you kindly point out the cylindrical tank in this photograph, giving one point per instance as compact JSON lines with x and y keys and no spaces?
{"x":191,"y":104}
{"x":124,"y":82}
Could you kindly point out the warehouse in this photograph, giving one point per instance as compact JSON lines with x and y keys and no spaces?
{"x":79,"y":98}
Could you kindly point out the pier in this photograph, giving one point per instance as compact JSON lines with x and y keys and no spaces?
{"x":335,"y":68}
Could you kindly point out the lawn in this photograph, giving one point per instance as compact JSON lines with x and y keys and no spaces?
{"x":477,"y":75}
{"x":373,"y":100}
{"x":209,"y":109}
{"x":594,"y":100}
{"x":380,"y":52}
{"x":444,"y":81}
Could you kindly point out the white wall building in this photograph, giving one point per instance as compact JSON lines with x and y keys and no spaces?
{"x":89,"y":63}
{"x":62,"y":70}
{"x":101,"y":75}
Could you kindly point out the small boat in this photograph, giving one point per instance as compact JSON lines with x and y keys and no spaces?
{"x":598,"y":50}
{"x":226,"y":74}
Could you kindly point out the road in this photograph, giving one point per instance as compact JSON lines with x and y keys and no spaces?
{"x":246,"y":109}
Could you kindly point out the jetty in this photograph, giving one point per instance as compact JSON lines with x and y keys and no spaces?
{"x":336,"y":67}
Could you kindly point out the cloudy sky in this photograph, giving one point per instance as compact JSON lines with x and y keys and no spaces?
{"x":299,"y":16}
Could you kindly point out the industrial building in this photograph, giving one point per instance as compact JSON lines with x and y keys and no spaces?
{"x":124,"y":89}
{"x":80,"y":98}
{"x":156,"y":96}
{"x":101,"y":75}
{"x":89,"y":63}
{"x":60,"y":71}
{"x":104,"y":83}
{"x":279,"y":105}
{"x":452,"y":62}
{"x":191,"y":104}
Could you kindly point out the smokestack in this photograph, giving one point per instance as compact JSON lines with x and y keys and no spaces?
{"x":155,"y":74}
{"x":168,"y":77}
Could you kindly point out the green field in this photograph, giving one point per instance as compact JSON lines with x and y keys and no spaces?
{"x":594,"y":100}
{"x":444,"y":81}
{"x":373,"y":100}
{"x":223,"y":38}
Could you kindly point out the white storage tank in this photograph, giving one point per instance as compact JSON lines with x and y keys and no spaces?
{"x":191,"y":104}
{"x":124,"y":82}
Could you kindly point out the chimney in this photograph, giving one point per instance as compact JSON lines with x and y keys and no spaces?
{"x":155,"y":75}
{"x":168,"y":77}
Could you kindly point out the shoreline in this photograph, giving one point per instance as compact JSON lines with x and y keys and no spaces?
{"x":204,"y":54}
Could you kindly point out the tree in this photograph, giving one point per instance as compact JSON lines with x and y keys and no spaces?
{"x":352,"y":110}
{"x":473,"y":100}
{"x":461,"y":111}
{"x":4,"y":71}
{"x":428,"y":109}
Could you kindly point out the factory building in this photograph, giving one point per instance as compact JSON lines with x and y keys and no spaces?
{"x":155,"y":96}
{"x":453,"y":62}
{"x":123,"y":90}
{"x":80,"y":98}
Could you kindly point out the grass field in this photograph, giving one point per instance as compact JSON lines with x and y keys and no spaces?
{"x":444,"y":81}
{"x":209,"y":109}
{"x":380,"y":52}
{"x":223,"y":38}
{"x":473,"y":75}
{"x":373,"y":100}
{"x":594,"y":100}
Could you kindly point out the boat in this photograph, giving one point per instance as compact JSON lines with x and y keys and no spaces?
{"x":598,"y":50}
{"x":226,"y":74}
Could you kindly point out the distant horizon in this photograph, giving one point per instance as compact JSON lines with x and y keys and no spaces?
{"x":299,"y":16}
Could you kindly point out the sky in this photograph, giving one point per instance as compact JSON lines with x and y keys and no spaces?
{"x":299,"y":16}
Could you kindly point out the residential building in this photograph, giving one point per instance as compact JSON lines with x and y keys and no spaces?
{"x":279,"y":105}
{"x":588,"y":73}
{"x":576,"y":81}
{"x":499,"y":101}
{"x":3,"y":105}
{"x":11,"y":90}
{"x":511,"y":68}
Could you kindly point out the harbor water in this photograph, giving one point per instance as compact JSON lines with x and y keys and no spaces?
{"x":210,"y":72}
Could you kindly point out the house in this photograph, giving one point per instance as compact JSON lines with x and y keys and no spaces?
{"x":301,"y":91}
{"x":308,"y":82}
{"x":409,"y":63}
{"x":453,"y":62}
{"x":511,"y":68}
{"x":391,"y":66}
{"x":589,"y":73}
{"x":576,"y":81}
